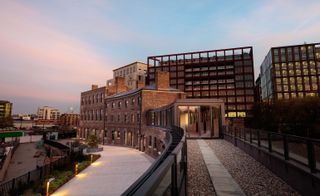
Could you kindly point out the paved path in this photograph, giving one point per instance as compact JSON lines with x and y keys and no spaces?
{"x":111,"y":174}
{"x":222,"y":181}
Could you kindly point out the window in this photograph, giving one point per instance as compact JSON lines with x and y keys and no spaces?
{"x":132,"y":101}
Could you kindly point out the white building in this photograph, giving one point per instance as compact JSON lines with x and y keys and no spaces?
{"x":48,"y":113}
{"x":132,"y":73}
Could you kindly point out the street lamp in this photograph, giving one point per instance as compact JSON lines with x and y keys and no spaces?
{"x":48,"y":185}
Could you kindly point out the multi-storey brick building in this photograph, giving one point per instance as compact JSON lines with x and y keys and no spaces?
{"x":69,"y":119}
{"x":92,"y":111}
{"x":291,"y":71}
{"x":225,"y":74}
{"x":125,"y":119}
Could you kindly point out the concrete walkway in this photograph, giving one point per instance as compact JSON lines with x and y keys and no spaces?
{"x":222,"y":181}
{"x":111,"y":174}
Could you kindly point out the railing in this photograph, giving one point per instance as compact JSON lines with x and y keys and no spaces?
{"x":167,"y":175}
{"x":303,"y":151}
{"x":12,"y":187}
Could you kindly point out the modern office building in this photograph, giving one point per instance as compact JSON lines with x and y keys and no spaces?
{"x":48,"y":113}
{"x":291,"y":71}
{"x":132,"y":73}
{"x":225,"y":74}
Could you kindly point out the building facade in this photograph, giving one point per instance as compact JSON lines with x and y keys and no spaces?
{"x":132,"y":73}
{"x":225,"y":74}
{"x":69,"y":120}
{"x":92,"y":112}
{"x":5,"y":113}
{"x":48,"y":113}
{"x":291,"y":71}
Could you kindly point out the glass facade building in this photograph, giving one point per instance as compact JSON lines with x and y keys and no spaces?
{"x":225,"y":74}
{"x":291,"y":71}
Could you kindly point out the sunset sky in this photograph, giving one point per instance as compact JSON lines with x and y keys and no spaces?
{"x":50,"y":51}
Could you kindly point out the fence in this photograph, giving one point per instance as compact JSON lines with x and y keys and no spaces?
{"x":9,"y":187}
{"x":293,"y":158}
{"x":168,"y":174}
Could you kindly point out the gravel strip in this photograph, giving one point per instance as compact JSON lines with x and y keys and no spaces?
{"x":253,"y":177}
{"x":199,"y":182}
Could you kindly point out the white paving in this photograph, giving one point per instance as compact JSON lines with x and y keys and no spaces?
{"x":111,"y":174}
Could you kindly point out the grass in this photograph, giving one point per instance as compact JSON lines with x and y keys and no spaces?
{"x":63,"y":176}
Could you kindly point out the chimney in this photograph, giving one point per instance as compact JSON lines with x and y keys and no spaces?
{"x":162,"y":80}
{"x":139,"y":84}
{"x":94,"y":86}
{"x":120,"y":84}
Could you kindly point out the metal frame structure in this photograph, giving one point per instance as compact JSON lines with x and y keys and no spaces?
{"x":225,"y":74}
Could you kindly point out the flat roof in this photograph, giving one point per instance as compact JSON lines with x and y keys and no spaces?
{"x":305,"y":44}
{"x":204,"y":51}
{"x":129,"y":65}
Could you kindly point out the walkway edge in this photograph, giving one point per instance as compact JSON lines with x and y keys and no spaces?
{"x":222,"y":181}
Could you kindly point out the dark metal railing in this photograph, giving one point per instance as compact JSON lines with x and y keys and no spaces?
{"x":304,"y":151}
{"x":167,"y":175}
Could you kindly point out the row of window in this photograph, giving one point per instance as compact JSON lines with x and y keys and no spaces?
{"x":297,"y":80}
{"x":92,"y":99}
{"x":123,"y":118}
{"x":298,"y":87}
{"x":295,"y":54}
{"x":296,"y":95}
{"x":124,"y":103}
{"x":92,"y":115}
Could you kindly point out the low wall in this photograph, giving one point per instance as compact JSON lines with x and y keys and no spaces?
{"x":6,"y":163}
{"x":297,"y":176}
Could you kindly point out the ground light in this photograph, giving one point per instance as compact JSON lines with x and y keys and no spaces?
{"x":76,"y":168}
{"x":91,"y":158}
{"x":48,"y":185}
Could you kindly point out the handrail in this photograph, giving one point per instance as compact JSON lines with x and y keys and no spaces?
{"x":175,"y":135}
{"x":309,"y":159}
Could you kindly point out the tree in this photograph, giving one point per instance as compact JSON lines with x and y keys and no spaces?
{"x":92,"y":141}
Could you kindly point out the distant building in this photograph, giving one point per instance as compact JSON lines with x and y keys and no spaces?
{"x":69,"y":119}
{"x":291,"y":71}
{"x":132,"y":73}
{"x":5,"y":113}
{"x":48,"y":113}
{"x":5,"y":109}
{"x":257,"y":89}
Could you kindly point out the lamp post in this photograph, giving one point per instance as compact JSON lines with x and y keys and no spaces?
{"x":48,"y":185}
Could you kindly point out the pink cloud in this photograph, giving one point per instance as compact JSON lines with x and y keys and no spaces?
{"x":37,"y":60}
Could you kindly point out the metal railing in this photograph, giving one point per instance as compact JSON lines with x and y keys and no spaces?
{"x":303,"y":151}
{"x":168,"y":174}
{"x":11,"y":186}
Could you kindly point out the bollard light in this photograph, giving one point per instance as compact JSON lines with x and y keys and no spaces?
{"x":76,"y":168}
{"x":48,"y":185}
{"x":91,"y":158}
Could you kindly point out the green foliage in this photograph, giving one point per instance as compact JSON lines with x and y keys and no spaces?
{"x":92,"y":141}
{"x":296,"y":116}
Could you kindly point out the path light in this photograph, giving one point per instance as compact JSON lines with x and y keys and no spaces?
{"x":76,"y":168}
{"x":48,"y":185}
{"x":91,"y":158}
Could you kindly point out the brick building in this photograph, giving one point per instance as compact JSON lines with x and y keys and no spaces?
{"x":126,"y":114}
{"x":69,"y":120}
{"x":92,"y":111}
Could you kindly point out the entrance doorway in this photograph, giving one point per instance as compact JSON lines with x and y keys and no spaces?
{"x":199,"y":121}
